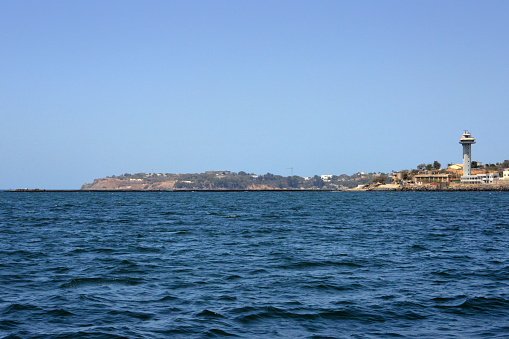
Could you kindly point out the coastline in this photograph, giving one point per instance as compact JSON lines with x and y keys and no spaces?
{"x":451,"y":187}
{"x":464,"y":188}
{"x":36,"y":190}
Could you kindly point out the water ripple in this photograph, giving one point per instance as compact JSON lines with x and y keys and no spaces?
{"x":301,"y":264}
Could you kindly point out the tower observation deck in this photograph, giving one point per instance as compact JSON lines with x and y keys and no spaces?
{"x":467,"y":140}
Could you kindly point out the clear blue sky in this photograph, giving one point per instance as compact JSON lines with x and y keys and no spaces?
{"x":96,"y":88}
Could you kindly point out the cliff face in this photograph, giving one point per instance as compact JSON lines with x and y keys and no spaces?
{"x":127,"y":184}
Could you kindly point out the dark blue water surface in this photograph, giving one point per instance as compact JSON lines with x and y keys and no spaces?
{"x":254,"y":264}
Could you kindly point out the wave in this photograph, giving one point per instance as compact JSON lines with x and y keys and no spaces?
{"x":326,"y":263}
{"x":258,"y":314}
{"x":209,"y":314}
{"x":79,"y":282}
{"x":218,"y":333}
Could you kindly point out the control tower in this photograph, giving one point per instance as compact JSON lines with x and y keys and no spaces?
{"x":467,"y":140}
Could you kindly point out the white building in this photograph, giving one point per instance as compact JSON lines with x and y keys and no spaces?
{"x":505,"y":174}
{"x":326,"y":177}
{"x":488,"y":178}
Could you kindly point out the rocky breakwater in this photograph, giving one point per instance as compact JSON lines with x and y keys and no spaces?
{"x":502,"y":186}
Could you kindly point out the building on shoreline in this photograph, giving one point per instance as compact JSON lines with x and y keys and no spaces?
{"x":487,"y":178}
{"x":467,"y":140}
{"x":429,"y":177}
{"x":505,"y":174}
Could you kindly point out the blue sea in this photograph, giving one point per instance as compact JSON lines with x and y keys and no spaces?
{"x":254,"y":265}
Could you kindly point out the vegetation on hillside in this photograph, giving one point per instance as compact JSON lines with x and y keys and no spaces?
{"x":219,"y":180}
{"x":242,"y":180}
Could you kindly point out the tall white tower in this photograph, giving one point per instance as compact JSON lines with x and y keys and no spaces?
{"x":467,"y":140}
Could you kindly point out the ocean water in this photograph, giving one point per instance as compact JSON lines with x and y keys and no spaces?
{"x":254,"y":265}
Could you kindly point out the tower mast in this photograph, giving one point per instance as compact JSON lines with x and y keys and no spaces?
{"x":467,"y":140}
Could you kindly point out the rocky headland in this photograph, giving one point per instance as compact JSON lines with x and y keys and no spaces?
{"x":226,"y":180}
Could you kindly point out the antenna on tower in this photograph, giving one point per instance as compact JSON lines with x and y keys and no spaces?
{"x":291,"y":170}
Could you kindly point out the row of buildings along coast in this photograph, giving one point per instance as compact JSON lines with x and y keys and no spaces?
{"x":457,"y":174}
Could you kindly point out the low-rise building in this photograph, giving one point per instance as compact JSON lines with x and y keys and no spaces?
{"x":486,"y":178}
{"x":428,"y":177}
{"x":505,"y":174}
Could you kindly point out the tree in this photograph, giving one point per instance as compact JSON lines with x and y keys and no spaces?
{"x":380,"y":179}
{"x":505,"y":164}
{"x":318,"y":182}
{"x":436,"y":165}
{"x":475,"y":164}
{"x":421,"y":167}
{"x":404,"y":175}
{"x":292,"y":182}
{"x":429,"y":167}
